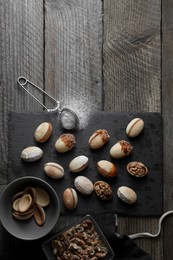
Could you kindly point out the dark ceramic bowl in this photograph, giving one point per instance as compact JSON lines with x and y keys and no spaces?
{"x":28,"y":229}
{"x":47,"y":245}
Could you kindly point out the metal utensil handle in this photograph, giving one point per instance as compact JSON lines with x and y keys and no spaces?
{"x":147,"y":234}
{"x":22,"y":81}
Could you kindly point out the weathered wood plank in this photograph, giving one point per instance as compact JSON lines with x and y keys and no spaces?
{"x":21,"y":53}
{"x":167,"y":110}
{"x":73,"y":60}
{"x":132,"y":55}
{"x":73,"y":54}
{"x":132,"y":78}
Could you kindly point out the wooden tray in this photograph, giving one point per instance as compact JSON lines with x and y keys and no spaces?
{"x":147,"y":149}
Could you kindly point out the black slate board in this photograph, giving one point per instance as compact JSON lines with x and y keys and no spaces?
{"x":147,"y":149}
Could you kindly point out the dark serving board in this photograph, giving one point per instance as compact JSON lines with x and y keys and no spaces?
{"x":147,"y":149}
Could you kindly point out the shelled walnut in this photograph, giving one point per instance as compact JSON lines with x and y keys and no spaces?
{"x":103,"y":190}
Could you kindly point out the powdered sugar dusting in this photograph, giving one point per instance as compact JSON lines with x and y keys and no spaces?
{"x":83,"y":109}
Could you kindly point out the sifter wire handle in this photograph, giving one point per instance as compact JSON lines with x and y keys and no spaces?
{"x":22,"y":81}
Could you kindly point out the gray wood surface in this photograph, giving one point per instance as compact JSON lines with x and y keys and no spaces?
{"x":92,"y":55}
{"x":132,"y":55}
{"x":132,"y":79}
{"x":73,"y":54}
{"x":21,"y":53}
{"x":167,"y":111}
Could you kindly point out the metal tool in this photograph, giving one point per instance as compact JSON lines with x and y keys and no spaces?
{"x":68,"y":118}
{"x":145,"y":234}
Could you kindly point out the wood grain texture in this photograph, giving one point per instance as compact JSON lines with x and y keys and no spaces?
{"x":67,"y":46}
{"x":73,"y":54}
{"x":167,"y":111}
{"x":21,"y":53}
{"x":132,"y":79}
{"x":132,"y":55}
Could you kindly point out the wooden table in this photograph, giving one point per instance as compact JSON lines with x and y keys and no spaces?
{"x":112,"y":55}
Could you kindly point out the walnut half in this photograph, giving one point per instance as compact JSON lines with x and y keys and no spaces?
{"x":137,"y":169}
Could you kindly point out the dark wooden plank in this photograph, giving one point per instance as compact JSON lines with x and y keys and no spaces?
{"x":132,"y":55}
{"x":73,"y":54}
{"x":132,"y":42}
{"x":132,"y":78}
{"x":21,"y":53}
{"x":167,"y":110}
